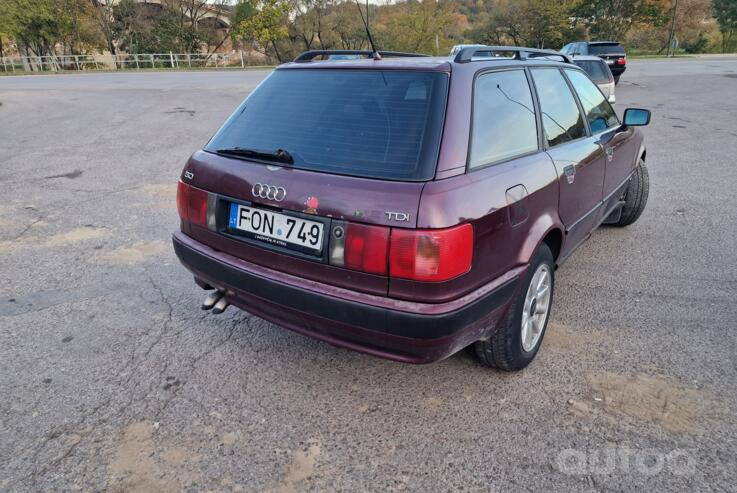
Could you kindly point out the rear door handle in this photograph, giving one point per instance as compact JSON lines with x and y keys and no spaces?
{"x":609,"y":153}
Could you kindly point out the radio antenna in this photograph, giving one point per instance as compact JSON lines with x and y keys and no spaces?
{"x":374,"y":52}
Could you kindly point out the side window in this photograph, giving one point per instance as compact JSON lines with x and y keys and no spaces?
{"x":503,"y":118}
{"x":599,"y":112}
{"x":566,"y":49}
{"x":561,"y":117}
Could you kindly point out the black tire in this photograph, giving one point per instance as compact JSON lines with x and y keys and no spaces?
{"x":503,"y":350}
{"x":616,"y":79}
{"x":635,"y":199}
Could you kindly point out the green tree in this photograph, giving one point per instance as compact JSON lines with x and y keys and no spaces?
{"x":266,"y":25}
{"x":140,"y":28}
{"x":49,"y":28}
{"x":725,"y":12}
{"x":612,"y":19}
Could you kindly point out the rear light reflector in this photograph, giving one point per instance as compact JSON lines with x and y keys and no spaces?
{"x":360,"y":247}
{"x":192,"y":204}
{"x":366,"y":248}
{"x":431,"y":255}
{"x":183,"y":200}
{"x":621,"y":61}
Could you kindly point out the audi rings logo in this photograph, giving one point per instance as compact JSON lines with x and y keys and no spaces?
{"x":266,"y":191}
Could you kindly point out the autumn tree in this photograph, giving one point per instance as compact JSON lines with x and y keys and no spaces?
{"x":425,"y":26}
{"x":535,"y":23}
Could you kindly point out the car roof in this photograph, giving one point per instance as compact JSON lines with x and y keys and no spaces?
{"x":428,"y":63}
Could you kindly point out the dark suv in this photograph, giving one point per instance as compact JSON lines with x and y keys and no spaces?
{"x":610,"y":51}
{"x":406,"y":206}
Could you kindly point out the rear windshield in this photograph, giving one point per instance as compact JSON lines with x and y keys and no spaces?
{"x":368,"y":123}
{"x":606,"y":48}
{"x":597,"y":70}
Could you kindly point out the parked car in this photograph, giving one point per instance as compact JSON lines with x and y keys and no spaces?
{"x":610,"y":51}
{"x":377,"y":206}
{"x":599,"y":72}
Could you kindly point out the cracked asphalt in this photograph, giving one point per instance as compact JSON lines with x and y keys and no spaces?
{"x":113,"y":379}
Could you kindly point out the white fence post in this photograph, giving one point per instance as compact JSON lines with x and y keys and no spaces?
{"x":135,"y":57}
{"x":76,"y":61}
{"x":243,"y":63}
{"x":153,"y":65}
{"x":171,"y":59}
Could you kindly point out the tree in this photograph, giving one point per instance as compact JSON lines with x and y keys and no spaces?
{"x":266,"y":25}
{"x":103,"y":15}
{"x":725,"y":12}
{"x":535,"y":23}
{"x":49,"y":27}
{"x":419,"y":26}
{"x":347,"y":27}
{"x":612,"y":19}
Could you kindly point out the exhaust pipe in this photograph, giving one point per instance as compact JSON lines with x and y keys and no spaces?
{"x":211,"y":299}
{"x":220,"y":306}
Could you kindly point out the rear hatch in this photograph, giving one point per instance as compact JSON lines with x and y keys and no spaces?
{"x":312,"y":170}
{"x":612,"y":53}
{"x":599,"y":73}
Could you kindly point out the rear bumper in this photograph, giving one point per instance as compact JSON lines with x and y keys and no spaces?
{"x":617,"y":69}
{"x":393,"y":329}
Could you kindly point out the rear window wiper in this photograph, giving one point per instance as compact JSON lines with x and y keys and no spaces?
{"x":277,"y":156}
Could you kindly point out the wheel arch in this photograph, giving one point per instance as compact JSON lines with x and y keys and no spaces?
{"x":546,"y":229}
{"x":642,"y":153}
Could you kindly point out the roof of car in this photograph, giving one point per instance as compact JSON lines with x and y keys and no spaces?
{"x":411,"y":61}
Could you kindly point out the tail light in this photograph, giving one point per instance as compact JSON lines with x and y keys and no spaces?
{"x":420,"y":255}
{"x":621,"y":61}
{"x":192,"y":204}
{"x":431,"y":255}
{"x":366,"y":248}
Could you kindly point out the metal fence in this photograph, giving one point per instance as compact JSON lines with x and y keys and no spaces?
{"x":58,"y":63}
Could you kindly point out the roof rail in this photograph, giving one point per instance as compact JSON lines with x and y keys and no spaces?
{"x":308,"y":56}
{"x":466,"y":55}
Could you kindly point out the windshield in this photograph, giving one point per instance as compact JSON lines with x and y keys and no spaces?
{"x":369,"y":123}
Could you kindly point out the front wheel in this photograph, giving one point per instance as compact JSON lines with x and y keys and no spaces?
{"x":635,"y":199}
{"x":516,"y":341}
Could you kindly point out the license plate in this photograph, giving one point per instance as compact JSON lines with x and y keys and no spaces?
{"x":610,"y":62}
{"x":277,"y":229}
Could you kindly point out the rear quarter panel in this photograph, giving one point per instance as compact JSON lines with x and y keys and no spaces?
{"x":480,"y":197}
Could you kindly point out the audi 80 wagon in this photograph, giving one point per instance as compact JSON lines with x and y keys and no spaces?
{"x":409,"y":206}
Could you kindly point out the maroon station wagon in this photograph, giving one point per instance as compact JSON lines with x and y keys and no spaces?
{"x":408,"y":206}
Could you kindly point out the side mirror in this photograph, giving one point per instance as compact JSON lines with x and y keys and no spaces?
{"x":636,"y":117}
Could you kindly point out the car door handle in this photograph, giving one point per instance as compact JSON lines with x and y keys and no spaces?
{"x":609,"y":153}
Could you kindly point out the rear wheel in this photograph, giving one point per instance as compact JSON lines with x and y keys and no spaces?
{"x":635,"y":199}
{"x":516,"y":341}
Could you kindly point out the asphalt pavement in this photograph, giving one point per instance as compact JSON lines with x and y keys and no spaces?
{"x":113,"y":379}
